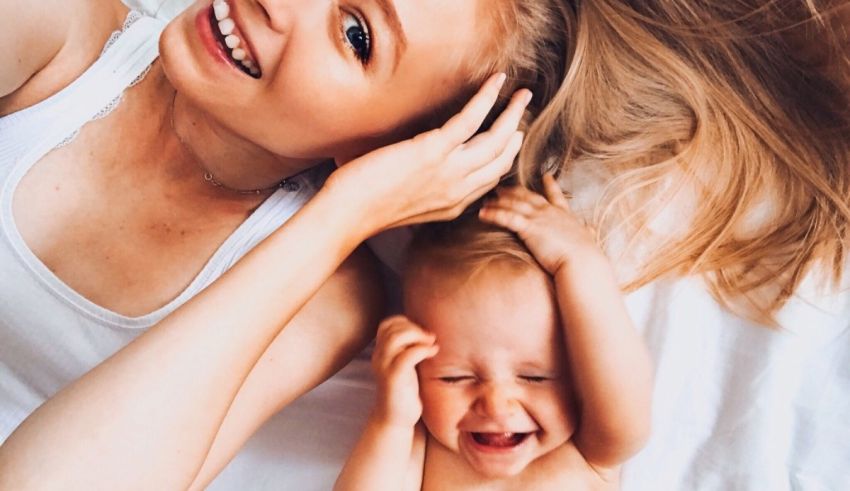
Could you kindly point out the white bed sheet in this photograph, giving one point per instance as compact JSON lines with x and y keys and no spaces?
{"x":736,"y":406}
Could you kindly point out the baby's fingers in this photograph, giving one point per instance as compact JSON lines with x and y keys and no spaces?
{"x":554,"y":193}
{"x":519,"y":199}
{"x":397,"y":338}
{"x":413,"y":356}
{"x":506,"y":218}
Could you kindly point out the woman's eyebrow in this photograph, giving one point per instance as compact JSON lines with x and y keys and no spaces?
{"x":391,"y":17}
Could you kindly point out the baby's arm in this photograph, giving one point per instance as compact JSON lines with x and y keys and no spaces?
{"x":609,"y":364}
{"x":390,"y":453}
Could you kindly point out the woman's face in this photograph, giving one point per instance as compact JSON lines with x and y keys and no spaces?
{"x":332,"y":78}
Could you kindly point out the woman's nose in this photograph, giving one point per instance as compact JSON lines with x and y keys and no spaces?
{"x":282,"y":14}
{"x":496,"y":402}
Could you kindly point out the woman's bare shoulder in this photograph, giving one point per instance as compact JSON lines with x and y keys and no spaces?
{"x":48,"y":44}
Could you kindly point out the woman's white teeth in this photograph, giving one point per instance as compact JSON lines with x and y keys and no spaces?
{"x":221,"y":9}
{"x":226,"y":26}
{"x":232,"y":41}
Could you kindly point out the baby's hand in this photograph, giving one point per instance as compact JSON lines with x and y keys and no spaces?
{"x":401,"y":345}
{"x":547,"y":226}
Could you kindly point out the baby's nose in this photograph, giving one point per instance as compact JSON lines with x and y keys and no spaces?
{"x":496,"y":402}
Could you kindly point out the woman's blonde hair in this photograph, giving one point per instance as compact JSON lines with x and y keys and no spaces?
{"x":737,"y":110}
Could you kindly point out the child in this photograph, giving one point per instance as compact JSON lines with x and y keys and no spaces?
{"x":526,"y":372}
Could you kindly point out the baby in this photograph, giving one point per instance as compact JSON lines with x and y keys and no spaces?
{"x":516,"y":366}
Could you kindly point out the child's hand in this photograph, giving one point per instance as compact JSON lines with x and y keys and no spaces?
{"x":400,"y":346}
{"x":437,"y":174}
{"x":553,"y":234}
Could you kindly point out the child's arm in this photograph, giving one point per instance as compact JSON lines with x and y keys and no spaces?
{"x":609,"y":364}
{"x":390,"y":453}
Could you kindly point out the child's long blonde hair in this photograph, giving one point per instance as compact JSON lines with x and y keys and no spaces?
{"x":738,"y":110}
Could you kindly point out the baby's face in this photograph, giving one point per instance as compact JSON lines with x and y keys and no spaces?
{"x":497,"y":391}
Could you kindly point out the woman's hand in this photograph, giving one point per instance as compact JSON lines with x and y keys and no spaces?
{"x":547,"y":226}
{"x":437,"y":174}
{"x":400,"y":346}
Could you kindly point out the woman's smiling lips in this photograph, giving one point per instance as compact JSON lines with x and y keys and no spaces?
{"x":214,"y":42}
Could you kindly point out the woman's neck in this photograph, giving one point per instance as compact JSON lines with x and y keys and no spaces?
{"x":203,"y":157}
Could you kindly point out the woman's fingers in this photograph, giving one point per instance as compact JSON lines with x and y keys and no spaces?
{"x":483,"y":180}
{"x":464,"y":124}
{"x":488,"y":145}
{"x":498,"y":166}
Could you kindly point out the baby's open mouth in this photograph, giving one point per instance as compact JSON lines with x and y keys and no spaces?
{"x":231,"y":40}
{"x":500,"y":440}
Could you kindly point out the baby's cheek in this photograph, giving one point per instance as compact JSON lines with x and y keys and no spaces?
{"x":441,"y":414}
{"x":555,"y":411}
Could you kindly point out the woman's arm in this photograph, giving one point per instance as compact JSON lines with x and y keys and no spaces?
{"x":147,"y":416}
{"x":50,"y":43}
{"x":608,"y":360}
{"x":335,"y":325}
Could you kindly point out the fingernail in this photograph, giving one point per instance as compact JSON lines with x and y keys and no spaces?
{"x":500,"y":80}
{"x":527,"y":97}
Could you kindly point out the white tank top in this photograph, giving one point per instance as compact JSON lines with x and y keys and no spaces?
{"x":50,"y":334}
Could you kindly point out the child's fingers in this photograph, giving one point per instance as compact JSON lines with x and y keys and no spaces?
{"x":520,"y":194}
{"x":464,"y":124}
{"x":399,"y":341}
{"x":413,"y":356}
{"x":505,"y":218}
{"x":554,"y":193}
{"x":519,"y":200}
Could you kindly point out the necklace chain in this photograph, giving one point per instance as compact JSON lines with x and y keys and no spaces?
{"x":287,"y":184}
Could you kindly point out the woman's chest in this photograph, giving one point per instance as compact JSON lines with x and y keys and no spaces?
{"x":123,"y":244}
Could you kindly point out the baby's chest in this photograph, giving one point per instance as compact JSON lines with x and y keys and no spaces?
{"x":444,"y":471}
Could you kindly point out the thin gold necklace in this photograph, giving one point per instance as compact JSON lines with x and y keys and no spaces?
{"x":287,"y":184}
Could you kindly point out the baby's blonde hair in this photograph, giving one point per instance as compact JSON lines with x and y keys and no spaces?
{"x":463,"y":248}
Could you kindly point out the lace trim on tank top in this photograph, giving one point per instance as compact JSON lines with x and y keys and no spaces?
{"x":132,"y":17}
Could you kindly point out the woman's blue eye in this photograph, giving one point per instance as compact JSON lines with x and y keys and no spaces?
{"x":356,"y":36}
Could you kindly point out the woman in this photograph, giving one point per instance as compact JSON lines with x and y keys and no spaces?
{"x":717,"y":108}
{"x":203,"y":158}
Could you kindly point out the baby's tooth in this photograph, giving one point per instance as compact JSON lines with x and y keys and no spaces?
{"x":247,"y":63}
{"x":254,"y":71}
{"x":226,"y":26}
{"x":232,"y":41}
{"x":221,"y":9}
{"x":238,"y":54}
